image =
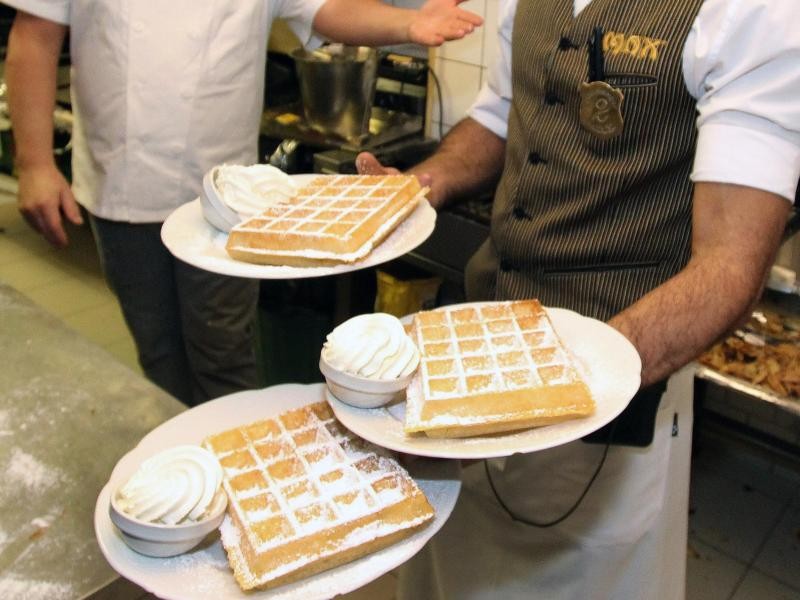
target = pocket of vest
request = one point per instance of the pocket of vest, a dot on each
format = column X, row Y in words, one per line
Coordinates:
column 600, row 267
column 627, row 81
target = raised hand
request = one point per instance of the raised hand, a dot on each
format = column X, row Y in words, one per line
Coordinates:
column 440, row 20
column 45, row 199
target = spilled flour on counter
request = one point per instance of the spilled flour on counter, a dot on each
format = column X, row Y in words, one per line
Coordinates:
column 24, row 469
column 31, row 589
column 5, row 424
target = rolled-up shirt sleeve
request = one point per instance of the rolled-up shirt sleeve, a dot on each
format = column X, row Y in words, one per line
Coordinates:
column 742, row 64
column 299, row 16
column 52, row 10
column 493, row 103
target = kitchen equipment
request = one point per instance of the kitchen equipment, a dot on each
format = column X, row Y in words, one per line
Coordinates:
column 337, row 86
column 396, row 133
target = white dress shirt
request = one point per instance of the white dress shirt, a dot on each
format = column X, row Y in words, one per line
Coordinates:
column 741, row 62
column 163, row 91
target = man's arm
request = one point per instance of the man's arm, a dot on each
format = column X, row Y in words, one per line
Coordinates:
column 375, row 23
column 34, row 45
column 468, row 161
column 736, row 234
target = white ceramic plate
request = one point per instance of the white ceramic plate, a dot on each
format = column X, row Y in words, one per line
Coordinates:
column 607, row 360
column 191, row 238
column 203, row 573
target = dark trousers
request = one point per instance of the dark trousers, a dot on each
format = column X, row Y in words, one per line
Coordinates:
column 194, row 330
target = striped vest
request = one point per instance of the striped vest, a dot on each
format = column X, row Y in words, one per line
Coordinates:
column 581, row 222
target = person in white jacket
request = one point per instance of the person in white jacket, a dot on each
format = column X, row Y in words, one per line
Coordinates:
column 659, row 214
column 161, row 92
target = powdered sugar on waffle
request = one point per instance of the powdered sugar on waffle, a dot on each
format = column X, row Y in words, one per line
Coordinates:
column 332, row 206
column 490, row 348
column 300, row 475
column 348, row 257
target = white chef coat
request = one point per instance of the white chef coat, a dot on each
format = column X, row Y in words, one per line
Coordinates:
column 163, row 91
column 741, row 62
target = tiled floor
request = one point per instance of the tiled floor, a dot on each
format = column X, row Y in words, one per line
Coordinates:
column 67, row 282
column 745, row 501
column 744, row 527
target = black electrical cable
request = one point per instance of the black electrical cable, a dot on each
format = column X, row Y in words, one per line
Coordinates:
column 439, row 98
column 543, row 525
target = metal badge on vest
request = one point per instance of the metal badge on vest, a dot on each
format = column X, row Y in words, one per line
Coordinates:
column 601, row 103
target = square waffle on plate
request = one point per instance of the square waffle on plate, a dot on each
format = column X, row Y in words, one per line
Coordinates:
column 307, row 495
column 333, row 219
column 489, row 368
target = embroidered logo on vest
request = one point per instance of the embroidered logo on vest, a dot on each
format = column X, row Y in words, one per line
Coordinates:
column 637, row 46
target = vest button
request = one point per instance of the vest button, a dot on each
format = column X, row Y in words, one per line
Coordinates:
column 536, row 159
column 565, row 43
column 505, row 265
column 551, row 99
column 520, row 213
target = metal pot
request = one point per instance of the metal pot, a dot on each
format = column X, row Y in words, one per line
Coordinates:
column 337, row 85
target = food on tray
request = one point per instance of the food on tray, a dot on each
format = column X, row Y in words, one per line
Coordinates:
column 250, row 189
column 375, row 346
column 767, row 354
column 232, row 193
column 176, row 486
column 334, row 219
column 306, row 495
column 491, row 367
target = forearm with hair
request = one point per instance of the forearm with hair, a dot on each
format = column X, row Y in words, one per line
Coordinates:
column 469, row 161
column 737, row 231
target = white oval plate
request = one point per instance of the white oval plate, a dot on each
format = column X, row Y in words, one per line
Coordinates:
column 608, row 362
column 189, row 237
column 203, row 573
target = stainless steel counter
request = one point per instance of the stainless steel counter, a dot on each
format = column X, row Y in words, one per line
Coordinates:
column 68, row 412
column 790, row 405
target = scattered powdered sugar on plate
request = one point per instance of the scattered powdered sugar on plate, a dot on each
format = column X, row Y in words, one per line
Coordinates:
column 608, row 361
column 204, row 573
column 191, row 238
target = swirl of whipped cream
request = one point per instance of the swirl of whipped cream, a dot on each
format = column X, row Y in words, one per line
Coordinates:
column 174, row 486
column 374, row 346
column 249, row 190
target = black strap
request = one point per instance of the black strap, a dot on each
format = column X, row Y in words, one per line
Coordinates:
column 635, row 426
column 544, row 524
column 637, row 423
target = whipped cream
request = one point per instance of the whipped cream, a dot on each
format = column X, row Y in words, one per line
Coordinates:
column 249, row 190
column 374, row 346
column 175, row 486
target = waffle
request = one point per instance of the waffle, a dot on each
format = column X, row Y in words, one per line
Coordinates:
column 489, row 368
column 306, row 495
column 334, row 219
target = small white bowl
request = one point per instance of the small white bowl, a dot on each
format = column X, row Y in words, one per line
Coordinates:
column 159, row 540
column 215, row 210
column 362, row 392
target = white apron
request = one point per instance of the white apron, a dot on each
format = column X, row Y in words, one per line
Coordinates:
column 627, row 539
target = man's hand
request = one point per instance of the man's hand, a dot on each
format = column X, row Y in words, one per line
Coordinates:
column 367, row 164
column 45, row 199
column 468, row 162
column 440, row 20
